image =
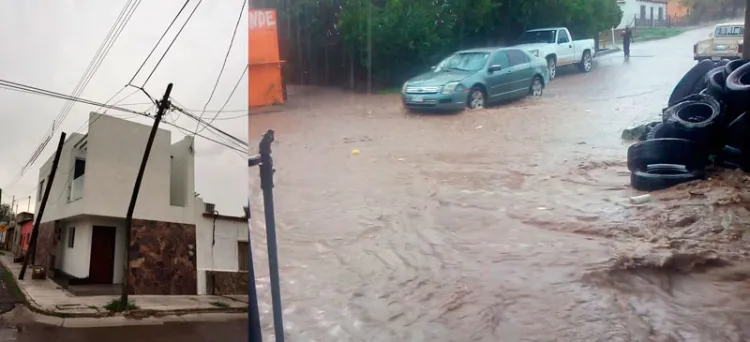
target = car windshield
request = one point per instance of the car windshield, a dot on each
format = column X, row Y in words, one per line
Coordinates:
column 533, row 37
column 465, row 61
column 730, row 31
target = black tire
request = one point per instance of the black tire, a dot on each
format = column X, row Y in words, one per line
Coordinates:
column 536, row 88
column 738, row 89
column 730, row 157
column 697, row 118
column 472, row 96
column 552, row 67
column 666, row 151
column 737, row 133
column 692, row 83
column 716, row 82
column 586, row 63
column 733, row 65
column 659, row 131
column 663, row 177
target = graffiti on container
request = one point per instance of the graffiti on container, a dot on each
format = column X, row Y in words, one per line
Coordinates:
column 261, row 19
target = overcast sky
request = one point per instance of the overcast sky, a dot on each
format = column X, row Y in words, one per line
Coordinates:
column 48, row 44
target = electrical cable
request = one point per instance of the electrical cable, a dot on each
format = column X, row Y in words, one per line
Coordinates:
column 117, row 27
column 231, row 94
column 223, row 64
column 172, row 43
column 159, row 41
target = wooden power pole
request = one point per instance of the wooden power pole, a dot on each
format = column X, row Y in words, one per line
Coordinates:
column 163, row 106
column 38, row 216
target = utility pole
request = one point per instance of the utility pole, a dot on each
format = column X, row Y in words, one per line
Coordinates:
column 745, row 53
column 28, row 205
column 38, row 217
column 163, row 106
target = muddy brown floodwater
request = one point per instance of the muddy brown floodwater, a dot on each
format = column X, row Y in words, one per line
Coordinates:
column 506, row 224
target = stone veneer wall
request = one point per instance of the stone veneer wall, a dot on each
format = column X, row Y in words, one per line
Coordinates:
column 46, row 244
column 160, row 258
column 226, row 283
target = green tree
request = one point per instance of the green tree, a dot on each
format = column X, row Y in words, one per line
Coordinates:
column 6, row 213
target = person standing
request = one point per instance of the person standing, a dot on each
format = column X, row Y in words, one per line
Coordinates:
column 627, row 38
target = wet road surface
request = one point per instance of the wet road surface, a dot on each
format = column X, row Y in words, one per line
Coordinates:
column 506, row 224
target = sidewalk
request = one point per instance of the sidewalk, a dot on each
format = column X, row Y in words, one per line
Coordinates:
column 47, row 298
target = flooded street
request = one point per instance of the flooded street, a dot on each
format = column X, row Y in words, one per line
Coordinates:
column 511, row 223
column 507, row 224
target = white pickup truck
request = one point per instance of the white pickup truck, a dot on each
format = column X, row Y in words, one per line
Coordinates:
column 557, row 46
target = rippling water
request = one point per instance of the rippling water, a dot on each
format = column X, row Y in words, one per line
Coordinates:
column 507, row 224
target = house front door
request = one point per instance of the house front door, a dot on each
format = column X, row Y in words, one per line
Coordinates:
column 101, row 268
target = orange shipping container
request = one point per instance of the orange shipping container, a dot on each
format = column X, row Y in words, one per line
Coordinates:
column 264, row 65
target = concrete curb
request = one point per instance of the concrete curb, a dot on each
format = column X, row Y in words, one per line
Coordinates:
column 136, row 315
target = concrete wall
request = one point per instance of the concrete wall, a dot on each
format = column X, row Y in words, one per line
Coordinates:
column 632, row 9
column 220, row 255
column 75, row 261
column 113, row 151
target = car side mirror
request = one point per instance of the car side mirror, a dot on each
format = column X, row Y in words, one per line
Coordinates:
column 494, row 68
column 433, row 67
column 711, row 35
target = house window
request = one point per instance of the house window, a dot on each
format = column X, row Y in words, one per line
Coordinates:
column 71, row 237
column 79, row 169
column 41, row 191
column 242, row 258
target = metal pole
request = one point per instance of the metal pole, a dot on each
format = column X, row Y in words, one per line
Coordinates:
column 254, row 333
column 266, row 183
column 745, row 53
column 163, row 106
column 38, row 216
column 28, row 205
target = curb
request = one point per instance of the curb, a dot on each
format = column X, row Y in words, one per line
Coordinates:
column 29, row 303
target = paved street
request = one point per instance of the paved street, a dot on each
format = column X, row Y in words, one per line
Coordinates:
column 494, row 225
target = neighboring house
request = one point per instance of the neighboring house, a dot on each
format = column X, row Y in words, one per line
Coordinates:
column 640, row 13
column 82, row 232
column 222, row 247
column 676, row 9
column 26, row 222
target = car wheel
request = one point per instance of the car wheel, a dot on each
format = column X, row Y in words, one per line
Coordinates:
column 586, row 62
column 476, row 98
column 552, row 66
column 666, row 151
column 692, row 82
column 663, row 176
column 537, row 87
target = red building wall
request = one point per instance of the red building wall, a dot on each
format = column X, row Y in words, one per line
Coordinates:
column 26, row 228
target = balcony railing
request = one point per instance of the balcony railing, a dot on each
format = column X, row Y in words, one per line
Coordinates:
column 76, row 188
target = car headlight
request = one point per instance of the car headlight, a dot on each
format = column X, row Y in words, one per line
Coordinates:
column 534, row 52
column 403, row 88
column 452, row 87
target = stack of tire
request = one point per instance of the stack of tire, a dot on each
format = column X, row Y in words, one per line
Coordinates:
column 705, row 124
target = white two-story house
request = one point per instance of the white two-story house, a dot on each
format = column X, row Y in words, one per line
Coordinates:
column 82, row 235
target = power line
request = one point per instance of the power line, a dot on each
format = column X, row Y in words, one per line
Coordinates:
column 159, row 41
column 223, row 65
column 39, row 91
column 117, row 27
column 194, row 110
column 188, row 133
column 216, row 129
column 171, row 43
column 231, row 94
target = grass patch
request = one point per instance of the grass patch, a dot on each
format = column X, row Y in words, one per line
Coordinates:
column 114, row 306
column 653, row 33
column 10, row 281
column 220, row 304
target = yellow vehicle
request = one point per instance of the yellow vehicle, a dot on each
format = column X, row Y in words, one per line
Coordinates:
column 725, row 42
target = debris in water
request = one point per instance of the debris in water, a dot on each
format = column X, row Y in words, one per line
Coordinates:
column 355, row 152
column 641, row 199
